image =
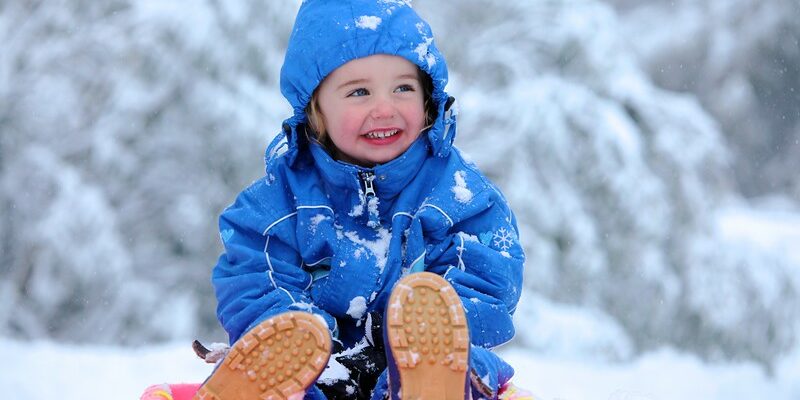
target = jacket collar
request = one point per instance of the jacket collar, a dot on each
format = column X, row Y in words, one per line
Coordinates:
column 390, row 178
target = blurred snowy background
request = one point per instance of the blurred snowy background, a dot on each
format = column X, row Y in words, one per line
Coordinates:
column 651, row 151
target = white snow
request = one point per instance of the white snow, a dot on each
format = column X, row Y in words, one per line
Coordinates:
column 396, row 3
column 316, row 220
column 423, row 54
column 368, row 22
column 460, row 190
column 468, row 238
column 334, row 372
column 378, row 247
column 372, row 208
column 661, row 375
column 46, row 371
column 773, row 229
column 301, row 305
column 358, row 306
column 414, row 357
column 358, row 253
column 358, row 209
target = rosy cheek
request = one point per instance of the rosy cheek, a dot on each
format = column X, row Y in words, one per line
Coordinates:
column 349, row 127
column 351, row 123
column 416, row 117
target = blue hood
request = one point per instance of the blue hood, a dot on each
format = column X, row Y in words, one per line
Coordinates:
column 329, row 33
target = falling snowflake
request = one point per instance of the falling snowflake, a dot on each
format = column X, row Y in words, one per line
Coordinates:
column 503, row 239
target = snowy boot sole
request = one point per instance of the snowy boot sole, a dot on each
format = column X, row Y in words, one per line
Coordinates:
column 428, row 337
column 278, row 359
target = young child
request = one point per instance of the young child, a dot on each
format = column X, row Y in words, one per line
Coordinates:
column 372, row 260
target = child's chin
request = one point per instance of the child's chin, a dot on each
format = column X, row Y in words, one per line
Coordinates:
column 383, row 159
column 373, row 156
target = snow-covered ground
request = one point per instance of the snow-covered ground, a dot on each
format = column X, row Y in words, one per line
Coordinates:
column 45, row 370
column 663, row 375
column 773, row 227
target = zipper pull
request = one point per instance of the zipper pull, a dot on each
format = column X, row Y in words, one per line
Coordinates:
column 370, row 198
column 366, row 179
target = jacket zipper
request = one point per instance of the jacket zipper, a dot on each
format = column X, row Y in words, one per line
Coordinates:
column 366, row 181
column 367, row 178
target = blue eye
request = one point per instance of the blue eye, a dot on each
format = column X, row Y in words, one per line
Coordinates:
column 358, row 92
column 404, row 88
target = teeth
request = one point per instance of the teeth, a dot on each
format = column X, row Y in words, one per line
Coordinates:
column 381, row 135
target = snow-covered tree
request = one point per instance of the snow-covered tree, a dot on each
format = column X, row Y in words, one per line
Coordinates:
column 127, row 127
column 742, row 60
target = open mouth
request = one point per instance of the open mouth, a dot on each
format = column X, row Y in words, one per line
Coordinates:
column 382, row 134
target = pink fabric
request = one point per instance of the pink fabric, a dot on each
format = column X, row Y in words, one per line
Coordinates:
column 184, row 391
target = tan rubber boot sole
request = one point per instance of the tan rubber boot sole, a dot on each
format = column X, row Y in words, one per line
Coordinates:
column 428, row 337
column 277, row 359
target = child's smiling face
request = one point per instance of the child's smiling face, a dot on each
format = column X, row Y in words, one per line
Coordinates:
column 372, row 108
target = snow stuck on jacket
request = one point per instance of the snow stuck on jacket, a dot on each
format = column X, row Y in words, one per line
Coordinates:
column 372, row 208
column 358, row 209
column 468, row 238
column 378, row 247
column 368, row 22
column 358, row 306
column 394, row 4
column 406, row 3
column 316, row 220
column 463, row 195
column 422, row 48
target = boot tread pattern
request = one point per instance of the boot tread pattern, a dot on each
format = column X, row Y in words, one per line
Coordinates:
column 278, row 358
column 429, row 337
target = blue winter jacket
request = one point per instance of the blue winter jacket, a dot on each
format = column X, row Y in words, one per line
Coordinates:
column 329, row 237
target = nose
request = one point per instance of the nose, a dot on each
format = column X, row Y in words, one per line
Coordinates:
column 383, row 108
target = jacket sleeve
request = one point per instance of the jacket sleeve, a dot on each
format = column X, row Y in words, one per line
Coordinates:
column 481, row 256
column 259, row 275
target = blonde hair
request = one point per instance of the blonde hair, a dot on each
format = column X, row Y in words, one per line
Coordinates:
column 316, row 121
